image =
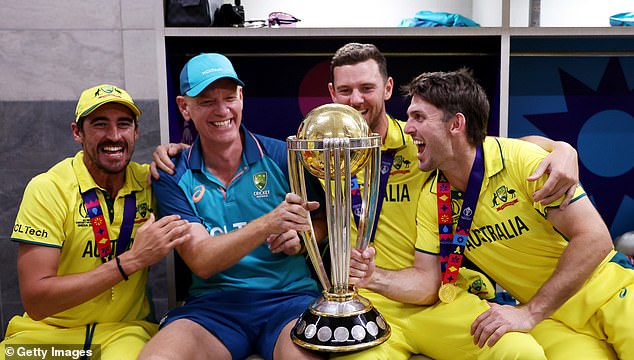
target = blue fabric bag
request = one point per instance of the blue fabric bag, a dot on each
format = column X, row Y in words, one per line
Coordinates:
column 622, row 19
column 426, row 18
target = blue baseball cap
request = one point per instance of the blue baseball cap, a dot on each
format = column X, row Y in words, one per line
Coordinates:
column 202, row 70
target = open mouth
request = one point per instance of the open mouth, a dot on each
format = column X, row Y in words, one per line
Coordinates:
column 420, row 145
column 112, row 150
column 222, row 123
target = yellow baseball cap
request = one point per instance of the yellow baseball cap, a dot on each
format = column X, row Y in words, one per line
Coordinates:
column 94, row 97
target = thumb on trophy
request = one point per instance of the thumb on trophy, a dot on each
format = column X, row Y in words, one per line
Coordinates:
column 362, row 266
column 311, row 205
column 293, row 198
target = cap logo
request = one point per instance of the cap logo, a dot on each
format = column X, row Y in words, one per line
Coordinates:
column 107, row 90
column 211, row 70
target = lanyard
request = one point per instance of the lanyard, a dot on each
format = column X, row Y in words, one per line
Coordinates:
column 452, row 244
column 387, row 158
column 99, row 228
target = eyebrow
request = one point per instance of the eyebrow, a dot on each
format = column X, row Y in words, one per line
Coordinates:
column 129, row 118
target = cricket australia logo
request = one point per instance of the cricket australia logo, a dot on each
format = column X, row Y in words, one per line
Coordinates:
column 259, row 180
column 506, row 196
column 400, row 165
column 142, row 210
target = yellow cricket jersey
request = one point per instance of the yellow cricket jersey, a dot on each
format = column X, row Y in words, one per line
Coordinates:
column 511, row 240
column 52, row 213
column 396, row 229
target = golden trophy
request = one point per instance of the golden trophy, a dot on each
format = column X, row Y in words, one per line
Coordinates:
column 334, row 143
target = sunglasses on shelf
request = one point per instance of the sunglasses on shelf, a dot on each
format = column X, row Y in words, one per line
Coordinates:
column 276, row 19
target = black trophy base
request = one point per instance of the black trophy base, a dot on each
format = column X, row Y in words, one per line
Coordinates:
column 340, row 329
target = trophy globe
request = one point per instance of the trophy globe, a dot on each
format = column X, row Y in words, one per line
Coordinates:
column 334, row 121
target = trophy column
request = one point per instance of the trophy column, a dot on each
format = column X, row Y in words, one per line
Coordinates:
column 334, row 143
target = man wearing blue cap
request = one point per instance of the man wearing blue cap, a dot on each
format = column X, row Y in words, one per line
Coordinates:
column 249, row 282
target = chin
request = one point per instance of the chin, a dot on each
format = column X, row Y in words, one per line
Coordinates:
column 425, row 167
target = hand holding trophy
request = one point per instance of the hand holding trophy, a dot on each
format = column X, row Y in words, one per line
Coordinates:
column 334, row 143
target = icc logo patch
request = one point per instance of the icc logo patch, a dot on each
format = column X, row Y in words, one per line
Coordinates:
column 259, row 180
column 83, row 220
column 82, row 210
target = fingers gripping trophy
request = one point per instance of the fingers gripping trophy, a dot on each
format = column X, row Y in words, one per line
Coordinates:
column 334, row 143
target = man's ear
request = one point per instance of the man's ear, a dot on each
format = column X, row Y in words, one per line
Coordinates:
column 77, row 135
column 331, row 90
column 389, row 88
column 458, row 123
column 182, row 107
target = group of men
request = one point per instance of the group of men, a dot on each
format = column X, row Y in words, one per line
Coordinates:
column 250, row 280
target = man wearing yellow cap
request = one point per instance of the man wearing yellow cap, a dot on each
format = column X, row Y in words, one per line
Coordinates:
column 86, row 237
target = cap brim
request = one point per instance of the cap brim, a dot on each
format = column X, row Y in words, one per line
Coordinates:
column 203, row 85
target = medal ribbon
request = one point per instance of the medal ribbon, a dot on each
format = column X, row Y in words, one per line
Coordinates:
column 452, row 245
column 99, row 228
column 387, row 158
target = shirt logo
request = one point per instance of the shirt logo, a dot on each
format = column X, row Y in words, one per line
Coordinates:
column 506, row 196
column 259, row 180
column 142, row 209
column 199, row 192
column 400, row 165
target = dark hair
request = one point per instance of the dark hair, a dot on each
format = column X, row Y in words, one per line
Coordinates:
column 354, row 53
column 454, row 92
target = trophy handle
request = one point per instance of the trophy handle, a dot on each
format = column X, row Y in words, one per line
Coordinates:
column 372, row 180
column 298, row 186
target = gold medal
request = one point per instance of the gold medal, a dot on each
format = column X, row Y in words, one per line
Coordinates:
column 447, row 293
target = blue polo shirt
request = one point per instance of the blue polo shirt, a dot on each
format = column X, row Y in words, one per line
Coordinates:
column 259, row 186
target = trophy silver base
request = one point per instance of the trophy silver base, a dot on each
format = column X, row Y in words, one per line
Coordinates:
column 340, row 323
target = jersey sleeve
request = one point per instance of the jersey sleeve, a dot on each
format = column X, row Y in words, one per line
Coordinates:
column 40, row 219
column 170, row 197
column 522, row 159
column 427, row 219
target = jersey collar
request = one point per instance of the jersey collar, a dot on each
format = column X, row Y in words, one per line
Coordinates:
column 395, row 138
column 493, row 162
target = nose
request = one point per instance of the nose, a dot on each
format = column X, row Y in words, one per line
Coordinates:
column 356, row 98
column 409, row 128
column 113, row 132
column 221, row 108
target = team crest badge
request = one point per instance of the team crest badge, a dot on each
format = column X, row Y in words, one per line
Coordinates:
column 504, row 195
column 142, row 210
column 259, row 180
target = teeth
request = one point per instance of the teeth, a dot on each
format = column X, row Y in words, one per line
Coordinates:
column 418, row 142
column 222, row 123
column 112, row 148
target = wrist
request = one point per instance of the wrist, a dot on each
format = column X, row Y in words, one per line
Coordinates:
column 536, row 313
column 122, row 272
column 127, row 263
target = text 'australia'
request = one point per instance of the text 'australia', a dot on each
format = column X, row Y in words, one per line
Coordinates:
column 504, row 230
